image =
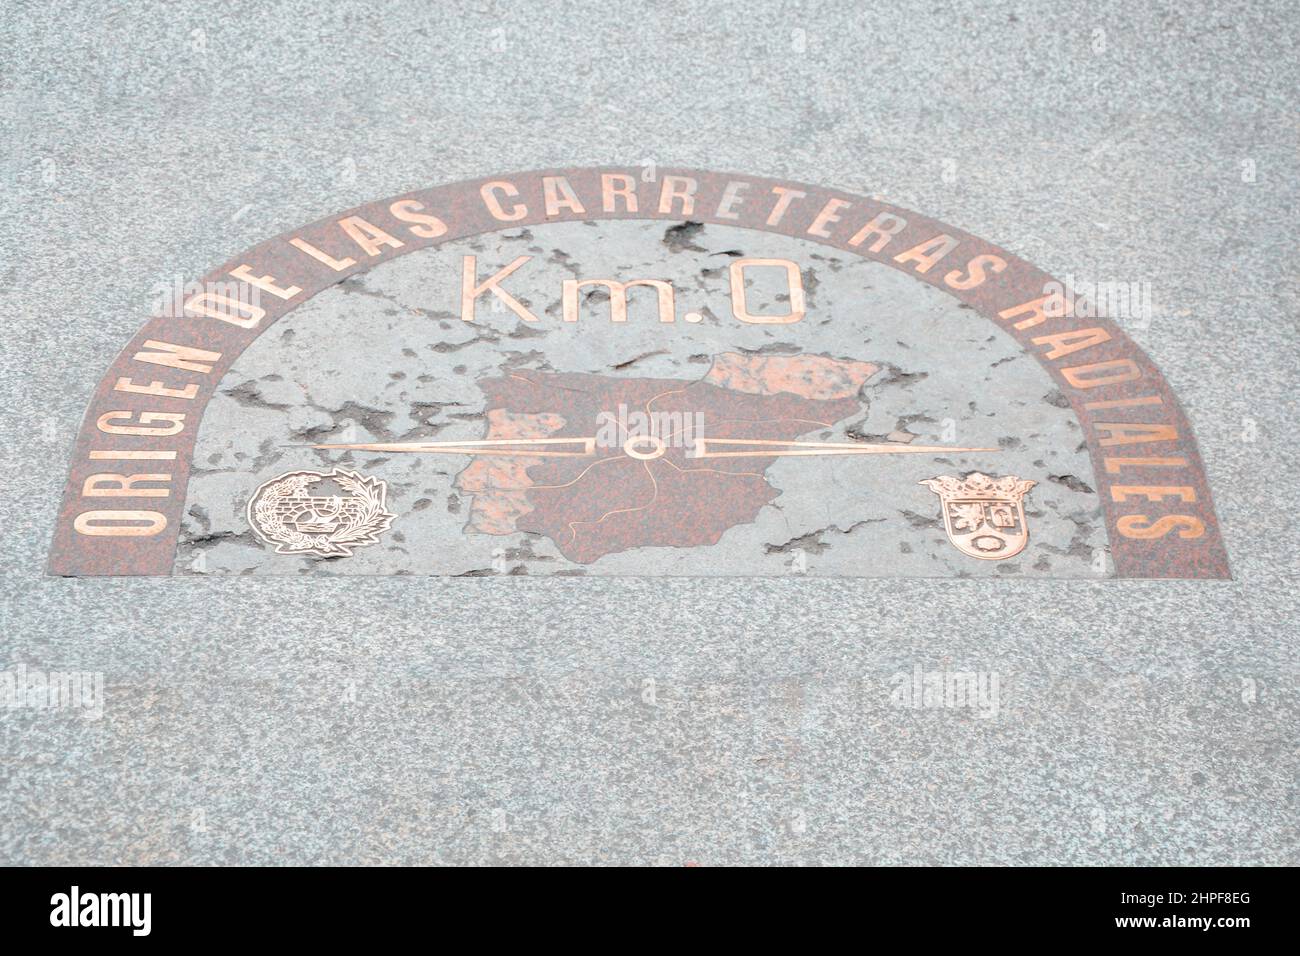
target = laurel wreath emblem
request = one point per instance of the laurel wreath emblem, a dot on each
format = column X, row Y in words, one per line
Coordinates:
column 361, row 523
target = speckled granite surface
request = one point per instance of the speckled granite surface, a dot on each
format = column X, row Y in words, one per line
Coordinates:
column 629, row 720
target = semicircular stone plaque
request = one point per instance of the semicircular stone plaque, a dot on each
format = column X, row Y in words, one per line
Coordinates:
column 605, row 372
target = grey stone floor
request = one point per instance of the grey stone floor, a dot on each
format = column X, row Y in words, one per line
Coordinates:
column 624, row 720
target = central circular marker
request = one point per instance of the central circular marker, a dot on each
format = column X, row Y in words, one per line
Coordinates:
column 657, row 447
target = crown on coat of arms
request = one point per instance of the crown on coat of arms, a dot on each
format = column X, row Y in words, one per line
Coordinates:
column 978, row 485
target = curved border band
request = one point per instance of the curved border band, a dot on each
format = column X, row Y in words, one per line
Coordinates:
column 144, row 417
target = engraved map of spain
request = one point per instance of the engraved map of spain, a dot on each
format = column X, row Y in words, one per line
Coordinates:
column 593, row 507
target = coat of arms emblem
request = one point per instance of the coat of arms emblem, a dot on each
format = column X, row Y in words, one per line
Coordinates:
column 284, row 512
column 984, row 516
